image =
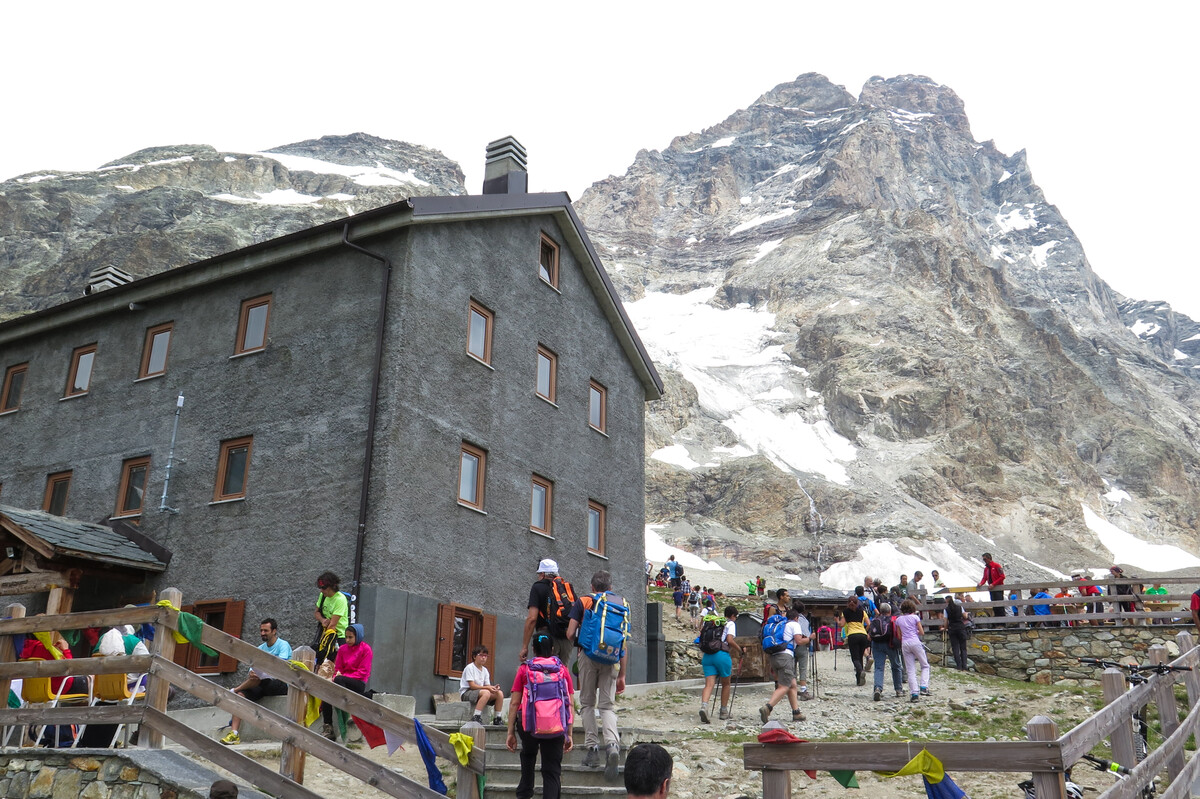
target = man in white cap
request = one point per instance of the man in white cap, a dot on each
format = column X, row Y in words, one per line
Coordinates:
column 550, row 601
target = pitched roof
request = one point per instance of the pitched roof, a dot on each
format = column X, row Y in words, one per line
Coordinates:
column 59, row 537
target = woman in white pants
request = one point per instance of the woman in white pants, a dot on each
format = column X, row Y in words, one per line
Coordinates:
column 911, row 631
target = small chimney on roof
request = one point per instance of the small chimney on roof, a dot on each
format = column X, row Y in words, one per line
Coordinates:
column 504, row 171
column 106, row 277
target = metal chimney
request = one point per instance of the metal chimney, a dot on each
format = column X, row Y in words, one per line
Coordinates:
column 106, row 277
column 504, row 171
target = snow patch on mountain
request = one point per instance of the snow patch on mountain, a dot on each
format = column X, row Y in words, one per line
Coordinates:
column 658, row 550
column 377, row 175
column 1126, row 548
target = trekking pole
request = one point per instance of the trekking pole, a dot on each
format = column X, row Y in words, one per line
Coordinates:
column 736, row 677
column 836, row 630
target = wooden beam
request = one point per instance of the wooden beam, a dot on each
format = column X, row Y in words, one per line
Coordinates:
column 72, row 714
column 1121, row 735
column 1168, row 711
column 157, row 689
column 233, row 761
column 32, row 583
column 8, row 652
column 281, row 728
column 291, row 757
column 67, row 667
column 78, row 621
column 1110, row 719
column 1156, row 760
column 323, row 689
column 467, row 786
column 1021, row 756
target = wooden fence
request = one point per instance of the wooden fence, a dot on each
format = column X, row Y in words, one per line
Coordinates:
column 1046, row 755
column 156, row 726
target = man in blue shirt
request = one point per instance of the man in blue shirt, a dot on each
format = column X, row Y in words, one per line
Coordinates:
column 1042, row 610
column 257, row 685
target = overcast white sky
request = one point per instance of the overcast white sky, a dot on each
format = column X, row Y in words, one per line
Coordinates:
column 1103, row 102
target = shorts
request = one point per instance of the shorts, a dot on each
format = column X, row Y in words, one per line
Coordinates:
column 679, row 602
column 471, row 696
column 784, row 666
column 694, row 610
column 717, row 664
column 267, row 687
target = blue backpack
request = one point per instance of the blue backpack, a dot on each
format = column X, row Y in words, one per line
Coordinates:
column 604, row 630
column 773, row 640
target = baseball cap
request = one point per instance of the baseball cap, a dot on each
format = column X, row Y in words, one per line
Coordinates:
column 547, row 566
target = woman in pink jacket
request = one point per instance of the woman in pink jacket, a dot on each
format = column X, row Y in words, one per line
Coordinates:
column 351, row 669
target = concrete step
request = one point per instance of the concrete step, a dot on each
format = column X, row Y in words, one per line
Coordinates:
column 496, row 733
column 574, row 775
column 500, row 756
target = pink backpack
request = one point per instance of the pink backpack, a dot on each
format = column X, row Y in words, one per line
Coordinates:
column 546, row 703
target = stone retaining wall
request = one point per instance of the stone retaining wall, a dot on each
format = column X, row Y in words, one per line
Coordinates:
column 47, row 774
column 1050, row 655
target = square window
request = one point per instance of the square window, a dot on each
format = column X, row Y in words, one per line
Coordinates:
column 14, row 384
column 459, row 630
column 596, row 513
column 131, row 494
column 547, row 368
column 80, row 376
column 58, row 486
column 548, row 261
column 479, row 333
column 154, row 351
column 233, row 469
column 471, row 474
column 541, row 505
column 597, row 407
column 252, row 324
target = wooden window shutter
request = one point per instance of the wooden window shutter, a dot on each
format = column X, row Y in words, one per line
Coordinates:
column 183, row 651
column 445, row 640
column 235, row 611
column 488, row 638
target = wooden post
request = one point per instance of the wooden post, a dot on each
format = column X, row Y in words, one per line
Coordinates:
column 60, row 600
column 468, row 785
column 1191, row 679
column 1168, row 711
column 776, row 784
column 8, row 652
column 158, row 688
column 291, row 757
column 1113, row 683
column 1048, row 784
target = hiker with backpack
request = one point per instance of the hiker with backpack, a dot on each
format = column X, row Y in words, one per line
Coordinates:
column 332, row 614
column 857, row 641
column 549, row 605
column 716, row 639
column 956, row 631
column 600, row 627
column 780, row 637
column 885, row 645
column 540, row 714
column 911, row 631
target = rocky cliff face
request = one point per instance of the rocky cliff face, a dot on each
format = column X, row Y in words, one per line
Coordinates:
column 168, row 206
column 878, row 327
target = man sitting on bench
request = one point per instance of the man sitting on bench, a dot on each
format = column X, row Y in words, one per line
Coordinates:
column 256, row 685
column 476, row 690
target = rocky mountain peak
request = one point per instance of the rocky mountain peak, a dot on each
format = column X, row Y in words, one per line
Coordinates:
column 809, row 92
column 173, row 152
column 916, row 94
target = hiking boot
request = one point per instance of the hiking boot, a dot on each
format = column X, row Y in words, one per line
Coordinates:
column 592, row 758
column 899, row 693
column 477, row 718
column 612, row 757
column 805, row 696
column 498, row 721
column 231, row 737
column 704, row 714
column 797, row 716
column 861, row 678
column 924, row 690
column 764, row 713
column 327, row 731
column 878, row 694
column 915, row 698
column 724, row 714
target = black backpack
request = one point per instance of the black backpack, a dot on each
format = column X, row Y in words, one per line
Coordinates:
column 558, row 606
column 710, row 636
column 881, row 630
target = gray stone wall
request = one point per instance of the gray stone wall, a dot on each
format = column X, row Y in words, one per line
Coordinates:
column 51, row 775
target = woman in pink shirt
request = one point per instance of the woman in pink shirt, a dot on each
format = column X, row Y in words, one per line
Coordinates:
column 909, row 625
column 352, row 669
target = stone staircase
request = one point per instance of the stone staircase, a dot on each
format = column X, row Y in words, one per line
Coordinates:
column 504, row 767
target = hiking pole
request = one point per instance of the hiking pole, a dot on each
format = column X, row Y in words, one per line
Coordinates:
column 736, row 677
column 836, row 634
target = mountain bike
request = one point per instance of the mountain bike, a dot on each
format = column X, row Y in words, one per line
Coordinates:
column 1136, row 675
column 1075, row 791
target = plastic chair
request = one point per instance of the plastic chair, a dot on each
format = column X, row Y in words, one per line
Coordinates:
column 37, row 691
column 115, row 688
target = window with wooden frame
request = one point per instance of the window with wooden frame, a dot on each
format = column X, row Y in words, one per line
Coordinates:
column 597, row 406
column 131, row 494
column 80, row 376
column 547, row 373
column 479, row 333
column 595, row 527
column 252, row 324
column 154, row 351
column 548, row 261
column 225, row 615
column 472, row 471
column 233, row 469
column 459, row 630
column 541, row 505
column 58, row 487
column 14, row 385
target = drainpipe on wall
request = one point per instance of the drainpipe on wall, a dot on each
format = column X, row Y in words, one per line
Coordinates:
column 373, row 410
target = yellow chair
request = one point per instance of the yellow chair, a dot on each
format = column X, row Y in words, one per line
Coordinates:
column 37, row 691
column 115, row 688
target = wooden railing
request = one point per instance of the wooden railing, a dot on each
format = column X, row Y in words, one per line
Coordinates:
column 157, row 726
column 1046, row 755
